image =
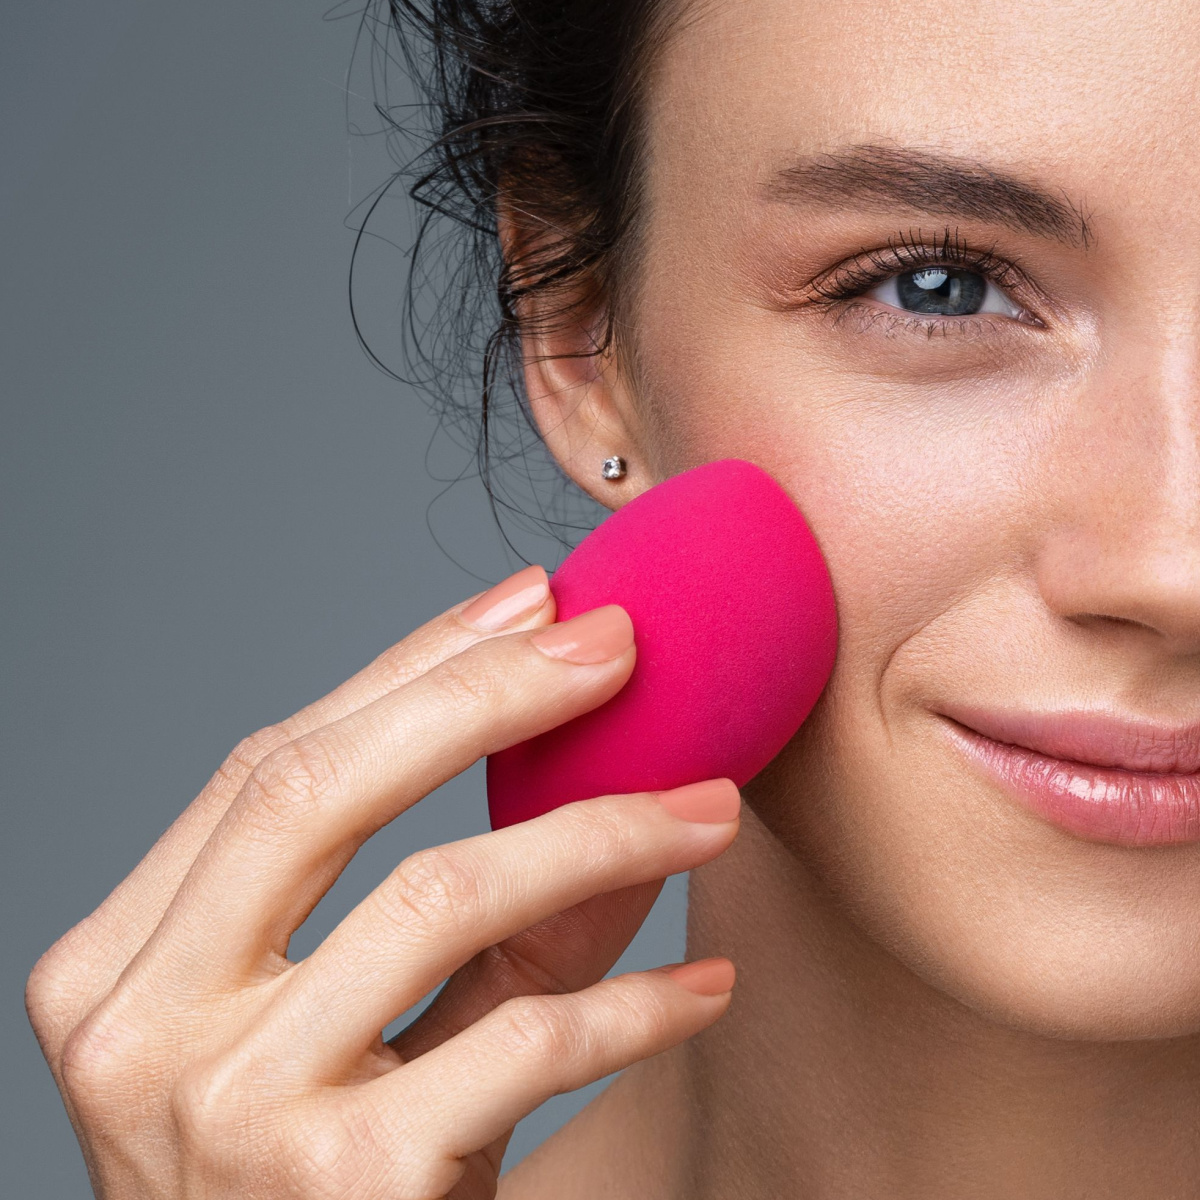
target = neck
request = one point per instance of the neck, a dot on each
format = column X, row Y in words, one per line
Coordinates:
column 837, row 1072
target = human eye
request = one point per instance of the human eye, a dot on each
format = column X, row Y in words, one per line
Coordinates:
column 932, row 281
column 944, row 291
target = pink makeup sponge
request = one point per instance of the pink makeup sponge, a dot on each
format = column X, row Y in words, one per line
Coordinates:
column 733, row 612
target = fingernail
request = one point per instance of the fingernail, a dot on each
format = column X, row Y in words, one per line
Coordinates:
column 706, row 976
column 591, row 637
column 520, row 595
column 708, row 802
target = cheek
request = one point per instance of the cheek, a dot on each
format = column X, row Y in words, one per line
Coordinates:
column 918, row 498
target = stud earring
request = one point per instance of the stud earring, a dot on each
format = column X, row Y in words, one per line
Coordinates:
column 613, row 468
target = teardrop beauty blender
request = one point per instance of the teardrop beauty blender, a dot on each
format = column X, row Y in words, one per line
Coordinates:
column 736, row 631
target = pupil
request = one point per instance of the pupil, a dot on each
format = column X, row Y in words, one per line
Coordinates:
column 943, row 291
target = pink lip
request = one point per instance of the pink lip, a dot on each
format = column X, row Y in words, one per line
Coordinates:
column 1101, row 778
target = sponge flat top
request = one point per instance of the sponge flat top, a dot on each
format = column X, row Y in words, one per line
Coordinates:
column 736, row 632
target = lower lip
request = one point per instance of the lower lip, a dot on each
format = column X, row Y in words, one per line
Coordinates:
column 1101, row 804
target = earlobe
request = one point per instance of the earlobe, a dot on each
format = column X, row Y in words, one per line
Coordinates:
column 581, row 418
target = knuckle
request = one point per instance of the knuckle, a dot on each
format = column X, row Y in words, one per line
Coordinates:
column 293, row 780
column 469, row 681
column 643, row 1011
column 603, row 832
column 539, row 1030
column 60, row 983
column 99, row 1060
column 363, row 1147
column 397, row 665
column 207, row 1108
column 334, row 1157
column 47, row 988
column 245, row 1134
column 433, row 890
column 248, row 753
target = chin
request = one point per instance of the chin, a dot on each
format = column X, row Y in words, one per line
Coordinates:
column 1014, row 919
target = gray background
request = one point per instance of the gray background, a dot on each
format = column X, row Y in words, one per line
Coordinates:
column 214, row 508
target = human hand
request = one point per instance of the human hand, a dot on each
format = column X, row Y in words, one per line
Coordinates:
column 195, row 1059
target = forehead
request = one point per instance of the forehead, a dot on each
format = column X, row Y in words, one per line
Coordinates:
column 1087, row 94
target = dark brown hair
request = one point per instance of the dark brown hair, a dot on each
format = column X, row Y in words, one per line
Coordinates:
column 536, row 104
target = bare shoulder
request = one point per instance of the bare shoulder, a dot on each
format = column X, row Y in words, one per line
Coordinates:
column 620, row 1147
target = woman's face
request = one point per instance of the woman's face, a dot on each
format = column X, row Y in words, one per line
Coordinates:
column 1000, row 460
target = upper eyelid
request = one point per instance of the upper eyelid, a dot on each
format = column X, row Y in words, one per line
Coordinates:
column 850, row 272
column 912, row 249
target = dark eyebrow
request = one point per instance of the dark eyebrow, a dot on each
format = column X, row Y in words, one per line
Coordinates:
column 933, row 183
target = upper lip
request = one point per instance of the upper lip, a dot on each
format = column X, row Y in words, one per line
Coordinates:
column 1097, row 738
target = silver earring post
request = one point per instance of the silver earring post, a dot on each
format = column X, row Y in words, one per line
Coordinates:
column 613, row 468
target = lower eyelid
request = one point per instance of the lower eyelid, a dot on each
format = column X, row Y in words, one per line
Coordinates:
column 891, row 320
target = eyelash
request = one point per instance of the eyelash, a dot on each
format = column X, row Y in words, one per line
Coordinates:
column 840, row 285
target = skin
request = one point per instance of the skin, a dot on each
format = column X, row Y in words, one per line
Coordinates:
column 196, row 1059
column 939, row 994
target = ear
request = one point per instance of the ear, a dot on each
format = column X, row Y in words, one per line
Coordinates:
column 584, row 412
column 580, row 395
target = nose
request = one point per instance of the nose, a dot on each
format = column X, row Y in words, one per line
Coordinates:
column 1123, row 549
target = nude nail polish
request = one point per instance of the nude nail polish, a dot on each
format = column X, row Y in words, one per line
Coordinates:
column 709, row 802
column 592, row 637
column 705, row 977
column 511, row 600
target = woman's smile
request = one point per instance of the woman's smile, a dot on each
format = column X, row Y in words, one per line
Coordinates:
column 1095, row 775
